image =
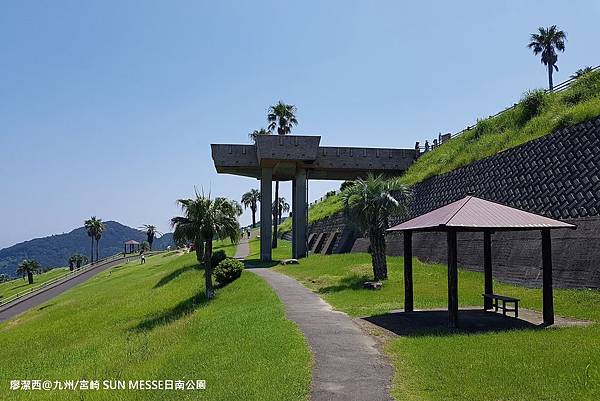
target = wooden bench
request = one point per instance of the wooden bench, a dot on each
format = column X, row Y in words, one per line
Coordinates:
column 495, row 303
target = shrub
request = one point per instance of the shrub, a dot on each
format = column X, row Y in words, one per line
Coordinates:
column 217, row 257
column 228, row 270
column 584, row 88
column 532, row 104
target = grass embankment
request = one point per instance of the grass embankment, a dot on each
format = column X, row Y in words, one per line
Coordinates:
column 152, row 321
column 552, row 364
column 13, row 287
column 536, row 115
column 319, row 211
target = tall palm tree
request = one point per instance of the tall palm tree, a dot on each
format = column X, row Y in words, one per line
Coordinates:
column 98, row 231
column 151, row 233
column 91, row 225
column 369, row 203
column 258, row 132
column 581, row 72
column 28, row 267
column 279, row 208
column 203, row 221
column 548, row 41
column 282, row 117
column 250, row 200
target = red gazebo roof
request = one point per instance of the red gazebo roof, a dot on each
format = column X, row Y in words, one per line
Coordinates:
column 472, row 213
column 131, row 242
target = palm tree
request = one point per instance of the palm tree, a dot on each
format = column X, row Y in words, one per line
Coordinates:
column 250, row 200
column 280, row 208
column 369, row 203
column 283, row 117
column 547, row 41
column 258, row 132
column 581, row 72
column 151, row 233
column 91, row 225
column 80, row 260
column 98, row 231
column 28, row 267
column 203, row 221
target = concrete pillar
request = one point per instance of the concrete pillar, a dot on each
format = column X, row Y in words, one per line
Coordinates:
column 299, row 209
column 266, row 214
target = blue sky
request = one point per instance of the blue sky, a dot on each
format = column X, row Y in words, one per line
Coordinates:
column 108, row 108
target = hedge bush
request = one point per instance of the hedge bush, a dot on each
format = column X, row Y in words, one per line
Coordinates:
column 217, row 257
column 228, row 270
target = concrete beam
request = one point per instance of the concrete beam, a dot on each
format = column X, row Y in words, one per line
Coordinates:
column 299, row 217
column 266, row 215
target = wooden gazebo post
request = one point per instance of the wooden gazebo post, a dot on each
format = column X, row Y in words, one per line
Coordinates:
column 548, row 303
column 408, row 274
column 488, row 285
column 452, row 280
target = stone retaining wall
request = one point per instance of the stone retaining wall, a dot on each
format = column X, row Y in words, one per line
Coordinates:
column 557, row 175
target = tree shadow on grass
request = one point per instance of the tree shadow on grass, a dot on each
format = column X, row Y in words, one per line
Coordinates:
column 257, row 264
column 174, row 274
column 179, row 311
column 346, row 283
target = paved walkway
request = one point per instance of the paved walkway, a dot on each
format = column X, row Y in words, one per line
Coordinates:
column 347, row 364
column 243, row 249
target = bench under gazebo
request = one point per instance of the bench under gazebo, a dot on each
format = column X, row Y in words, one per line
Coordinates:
column 472, row 214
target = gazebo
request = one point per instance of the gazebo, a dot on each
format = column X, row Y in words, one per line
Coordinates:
column 472, row 214
column 133, row 245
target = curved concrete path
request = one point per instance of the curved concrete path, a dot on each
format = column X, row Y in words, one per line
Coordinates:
column 348, row 366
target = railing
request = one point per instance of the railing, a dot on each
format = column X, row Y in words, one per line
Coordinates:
column 443, row 138
column 67, row 276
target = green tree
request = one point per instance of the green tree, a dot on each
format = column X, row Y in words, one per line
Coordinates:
column 77, row 260
column 91, row 226
column 369, row 203
column 280, row 208
column 145, row 246
column 250, row 200
column 151, row 233
column 98, row 232
column 282, row 117
column 203, row 221
column 258, row 132
column 581, row 72
column 547, row 41
column 28, row 267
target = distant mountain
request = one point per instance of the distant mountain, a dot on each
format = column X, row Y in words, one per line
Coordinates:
column 55, row 250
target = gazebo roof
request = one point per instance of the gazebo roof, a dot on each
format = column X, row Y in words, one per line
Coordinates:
column 476, row 214
column 131, row 242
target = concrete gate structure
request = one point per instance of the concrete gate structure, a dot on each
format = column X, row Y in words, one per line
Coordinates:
column 298, row 158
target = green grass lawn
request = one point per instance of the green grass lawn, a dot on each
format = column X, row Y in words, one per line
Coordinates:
column 552, row 364
column 13, row 287
column 151, row 321
column 283, row 251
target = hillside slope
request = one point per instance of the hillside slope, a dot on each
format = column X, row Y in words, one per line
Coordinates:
column 55, row 250
column 152, row 322
column 537, row 114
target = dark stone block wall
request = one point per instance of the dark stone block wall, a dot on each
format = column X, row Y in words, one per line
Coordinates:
column 557, row 175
